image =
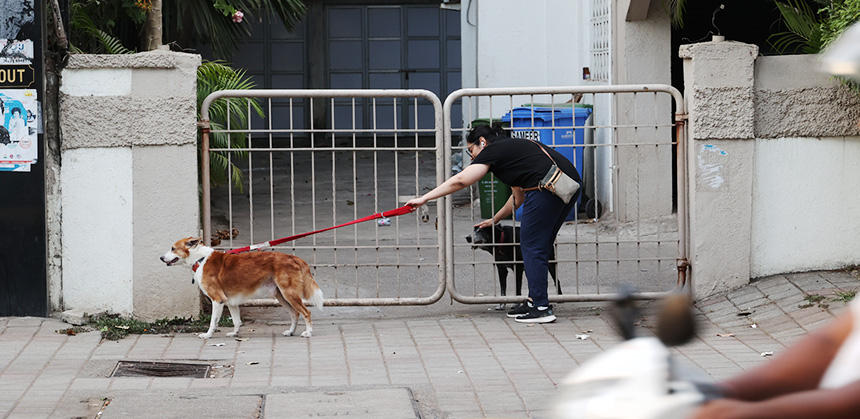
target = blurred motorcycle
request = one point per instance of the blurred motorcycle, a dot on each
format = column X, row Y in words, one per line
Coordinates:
column 640, row 377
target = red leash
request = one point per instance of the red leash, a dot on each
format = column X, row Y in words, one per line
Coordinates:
column 406, row 209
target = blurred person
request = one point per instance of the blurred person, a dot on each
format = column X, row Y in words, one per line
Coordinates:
column 817, row 377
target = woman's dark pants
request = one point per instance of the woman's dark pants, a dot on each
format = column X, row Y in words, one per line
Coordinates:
column 543, row 215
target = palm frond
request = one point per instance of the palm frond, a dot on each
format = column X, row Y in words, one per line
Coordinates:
column 224, row 35
column 213, row 76
column 221, row 166
column 804, row 30
column 108, row 43
column 111, row 44
column 676, row 9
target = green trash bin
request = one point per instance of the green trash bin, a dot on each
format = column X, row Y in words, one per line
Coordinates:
column 492, row 192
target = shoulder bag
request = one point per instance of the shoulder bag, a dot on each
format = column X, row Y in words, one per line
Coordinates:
column 556, row 181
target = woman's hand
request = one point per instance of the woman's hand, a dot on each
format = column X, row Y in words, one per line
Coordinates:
column 485, row 223
column 417, row 202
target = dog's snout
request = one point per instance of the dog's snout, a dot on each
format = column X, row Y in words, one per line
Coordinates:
column 468, row 239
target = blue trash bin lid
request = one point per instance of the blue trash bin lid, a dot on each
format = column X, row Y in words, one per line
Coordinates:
column 546, row 114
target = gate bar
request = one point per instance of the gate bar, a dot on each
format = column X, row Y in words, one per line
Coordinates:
column 333, row 93
column 684, row 277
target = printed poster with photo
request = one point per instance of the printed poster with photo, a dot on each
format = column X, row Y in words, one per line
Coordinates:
column 14, row 52
column 18, row 133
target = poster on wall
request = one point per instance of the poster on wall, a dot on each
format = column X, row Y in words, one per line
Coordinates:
column 18, row 133
column 14, row 52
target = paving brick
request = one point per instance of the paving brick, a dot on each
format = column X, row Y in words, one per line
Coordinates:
column 170, row 383
column 453, row 401
column 24, row 322
column 197, row 383
column 90, row 384
column 474, row 365
column 115, row 349
column 130, row 383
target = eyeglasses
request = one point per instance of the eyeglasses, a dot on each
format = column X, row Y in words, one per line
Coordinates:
column 469, row 149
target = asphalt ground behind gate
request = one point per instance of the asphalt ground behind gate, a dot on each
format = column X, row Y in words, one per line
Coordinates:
column 280, row 198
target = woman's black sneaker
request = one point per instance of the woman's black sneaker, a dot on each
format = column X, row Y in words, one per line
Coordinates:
column 536, row 315
column 520, row 309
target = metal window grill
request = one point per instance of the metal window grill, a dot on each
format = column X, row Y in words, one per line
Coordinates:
column 601, row 33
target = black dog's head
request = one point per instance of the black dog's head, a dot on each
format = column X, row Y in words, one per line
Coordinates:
column 485, row 235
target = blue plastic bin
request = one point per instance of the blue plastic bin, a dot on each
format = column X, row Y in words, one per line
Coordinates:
column 553, row 127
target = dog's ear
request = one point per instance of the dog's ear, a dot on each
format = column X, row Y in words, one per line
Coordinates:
column 193, row 242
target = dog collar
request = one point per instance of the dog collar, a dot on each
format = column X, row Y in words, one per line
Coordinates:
column 195, row 266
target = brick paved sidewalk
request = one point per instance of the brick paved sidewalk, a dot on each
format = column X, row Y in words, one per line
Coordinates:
column 473, row 363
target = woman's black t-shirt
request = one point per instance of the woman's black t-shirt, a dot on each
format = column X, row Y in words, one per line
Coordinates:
column 519, row 162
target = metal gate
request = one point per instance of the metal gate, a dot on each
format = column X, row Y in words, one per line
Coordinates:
column 626, row 230
column 286, row 176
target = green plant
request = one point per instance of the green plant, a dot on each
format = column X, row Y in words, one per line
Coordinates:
column 813, row 299
column 676, row 9
column 86, row 35
column 115, row 326
column 185, row 23
column 213, row 76
column 804, row 29
column 74, row 330
column 840, row 15
column 844, row 296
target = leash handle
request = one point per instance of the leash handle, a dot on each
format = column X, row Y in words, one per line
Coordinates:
column 406, row 209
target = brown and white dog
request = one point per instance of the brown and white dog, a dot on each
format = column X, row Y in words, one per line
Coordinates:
column 231, row 279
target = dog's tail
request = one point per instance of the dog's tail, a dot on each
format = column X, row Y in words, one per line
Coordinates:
column 316, row 299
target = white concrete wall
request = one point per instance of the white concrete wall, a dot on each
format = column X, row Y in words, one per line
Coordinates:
column 806, row 176
column 773, row 169
column 520, row 43
column 805, row 204
column 97, row 229
column 640, row 55
column 129, row 182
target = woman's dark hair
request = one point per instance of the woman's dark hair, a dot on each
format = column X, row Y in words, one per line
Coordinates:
column 490, row 133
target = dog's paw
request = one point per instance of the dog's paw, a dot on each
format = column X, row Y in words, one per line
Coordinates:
column 232, row 334
column 306, row 334
column 287, row 333
column 204, row 335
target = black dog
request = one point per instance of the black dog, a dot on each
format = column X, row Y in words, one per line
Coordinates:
column 507, row 254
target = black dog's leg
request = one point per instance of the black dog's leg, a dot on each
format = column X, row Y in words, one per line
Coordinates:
column 503, row 283
column 503, row 278
column 519, row 268
column 552, row 271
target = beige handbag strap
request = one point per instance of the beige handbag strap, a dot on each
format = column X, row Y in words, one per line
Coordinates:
column 534, row 188
column 544, row 151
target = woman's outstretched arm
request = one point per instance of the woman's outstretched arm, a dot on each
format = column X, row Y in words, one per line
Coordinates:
column 471, row 174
